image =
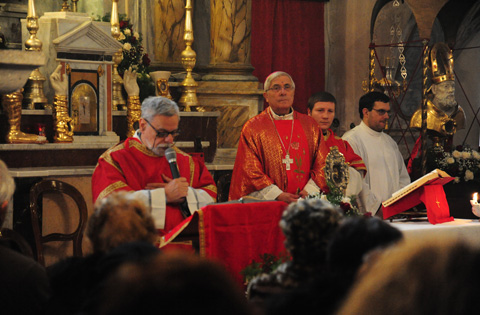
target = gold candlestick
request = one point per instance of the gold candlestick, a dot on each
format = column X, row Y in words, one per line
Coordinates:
column 33, row 43
column 74, row 5
column 117, row 82
column 65, row 7
column 189, row 58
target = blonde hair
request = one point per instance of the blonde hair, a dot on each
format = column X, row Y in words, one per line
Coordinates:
column 120, row 218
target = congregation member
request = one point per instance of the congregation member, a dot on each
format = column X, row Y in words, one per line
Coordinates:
column 321, row 106
column 281, row 153
column 24, row 285
column 386, row 171
column 139, row 165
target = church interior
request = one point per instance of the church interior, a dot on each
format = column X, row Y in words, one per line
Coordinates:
column 212, row 57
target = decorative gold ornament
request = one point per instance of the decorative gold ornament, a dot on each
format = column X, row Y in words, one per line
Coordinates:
column 12, row 106
column 134, row 111
column 161, row 83
column 189, row 58
column 34, row 90
column 441, row 57
column 118, row 101
column 100, row 71
column 65, row 7
column 336, row 169
column 68, row 69
column 33, row 43
column 74, row 5
column 62, row 123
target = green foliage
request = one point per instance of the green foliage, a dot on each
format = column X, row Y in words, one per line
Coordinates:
column 267, row 264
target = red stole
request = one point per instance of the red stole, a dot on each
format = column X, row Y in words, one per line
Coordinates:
column 299, row 160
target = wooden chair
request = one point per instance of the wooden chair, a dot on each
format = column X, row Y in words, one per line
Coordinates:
column 36, row 194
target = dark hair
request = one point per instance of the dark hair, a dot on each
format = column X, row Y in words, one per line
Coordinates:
column 320, row 97
column 368, row 100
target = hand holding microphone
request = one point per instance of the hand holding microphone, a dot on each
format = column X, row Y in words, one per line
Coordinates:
column 176, row 188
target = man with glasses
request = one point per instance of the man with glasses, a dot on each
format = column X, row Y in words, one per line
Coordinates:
column 139, row 165
column 281, row 153
column 386, row 171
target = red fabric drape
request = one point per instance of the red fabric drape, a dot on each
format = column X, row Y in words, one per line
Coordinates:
column 288, row 35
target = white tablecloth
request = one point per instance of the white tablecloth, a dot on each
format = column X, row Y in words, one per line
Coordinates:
column 461, row 228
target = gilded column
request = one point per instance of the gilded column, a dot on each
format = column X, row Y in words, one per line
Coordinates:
column 230, row 37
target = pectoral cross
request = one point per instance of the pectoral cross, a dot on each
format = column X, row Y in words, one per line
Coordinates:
column 287, row 161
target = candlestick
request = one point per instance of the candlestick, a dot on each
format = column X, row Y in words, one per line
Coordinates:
column 475, row 205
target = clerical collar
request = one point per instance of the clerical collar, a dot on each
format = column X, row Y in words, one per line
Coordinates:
column 137, row 135
column 288, row 116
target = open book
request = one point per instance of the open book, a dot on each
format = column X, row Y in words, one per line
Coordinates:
column 436, row 176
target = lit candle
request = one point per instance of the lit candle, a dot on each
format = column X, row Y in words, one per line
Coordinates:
column 475, row 198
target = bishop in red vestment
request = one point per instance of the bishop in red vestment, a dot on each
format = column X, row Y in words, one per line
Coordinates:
column 139, row 165
column 281, row 153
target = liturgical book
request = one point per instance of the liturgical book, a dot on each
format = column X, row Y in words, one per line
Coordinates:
column 436, row 176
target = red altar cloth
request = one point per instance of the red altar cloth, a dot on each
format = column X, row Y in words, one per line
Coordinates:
column 234, row 233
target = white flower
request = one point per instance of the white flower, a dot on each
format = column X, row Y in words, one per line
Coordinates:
column 476, row 155
column 466, row 154
column 127, row 32
column 346, row 199
column 136, row 35
column 127, row 46
column 457, row 180
column 121, row 37
column 468, row 175
column 457, row 154
column 450, row 160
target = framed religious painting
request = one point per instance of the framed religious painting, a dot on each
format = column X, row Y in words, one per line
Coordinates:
column 84, row 99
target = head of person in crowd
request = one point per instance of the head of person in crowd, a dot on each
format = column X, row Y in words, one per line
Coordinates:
column 308, row 226
column 7, row 189
column 321, row 106
column 173, row 283
column 374, row 109
column 279, row 92
column 356, row 238
column 120, row 218
column 159, row 123
column 428, row 276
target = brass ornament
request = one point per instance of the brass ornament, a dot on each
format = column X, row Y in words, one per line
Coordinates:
column 34, row 90
column 65, row 7
column 12, row 106
column 134, row 111
column 441, row 58
column 336, row 169
column 62, row 123
column 118, row 101
column 32, row 43
column 189, row 58
column 100, row 71
column 74, row 6
column 68, row 69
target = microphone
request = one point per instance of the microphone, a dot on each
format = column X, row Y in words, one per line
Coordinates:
column 171, row 156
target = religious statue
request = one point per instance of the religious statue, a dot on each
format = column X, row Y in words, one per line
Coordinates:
column 444, row 116
column 62, row 123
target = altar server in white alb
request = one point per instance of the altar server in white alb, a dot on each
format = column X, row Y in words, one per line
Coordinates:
column 386, row 171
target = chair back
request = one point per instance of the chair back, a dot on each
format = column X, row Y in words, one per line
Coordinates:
column 36, row 196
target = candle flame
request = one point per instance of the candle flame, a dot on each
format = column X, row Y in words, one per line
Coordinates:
column 475, row 197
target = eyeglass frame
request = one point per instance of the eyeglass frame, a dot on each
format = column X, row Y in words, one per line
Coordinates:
column 277, row 88
column 164, row 134
column 382, row 112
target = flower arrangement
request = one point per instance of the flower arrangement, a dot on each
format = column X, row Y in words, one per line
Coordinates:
column 134, row 55
column 335, row 196
column 267, row 264
column 463, row 163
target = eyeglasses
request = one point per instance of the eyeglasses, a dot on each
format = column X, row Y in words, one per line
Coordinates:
column 277, row 88
column 382, row 112
column 164, row 133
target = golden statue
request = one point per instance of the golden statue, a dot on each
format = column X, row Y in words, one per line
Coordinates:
column 134, row 107
column 444, row 116
column 12, row 105
column 62, row 123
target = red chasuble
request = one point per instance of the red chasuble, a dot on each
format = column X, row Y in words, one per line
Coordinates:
column 130, row 166
column 260, row 153
column 344, row 147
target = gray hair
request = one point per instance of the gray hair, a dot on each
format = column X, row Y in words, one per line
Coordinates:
column 159, row 105
column 275, row 75
column 7, row 184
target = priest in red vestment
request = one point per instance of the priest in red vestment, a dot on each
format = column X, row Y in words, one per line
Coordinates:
column 281, row 153
column 139, row 165
column 321, row 106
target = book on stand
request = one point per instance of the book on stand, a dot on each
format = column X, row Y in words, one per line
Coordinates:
column 436, row 176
